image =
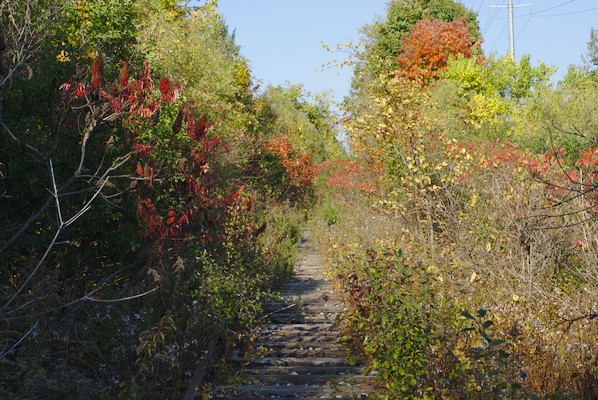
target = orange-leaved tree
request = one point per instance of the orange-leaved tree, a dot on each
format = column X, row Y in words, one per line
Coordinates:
column 429, row 46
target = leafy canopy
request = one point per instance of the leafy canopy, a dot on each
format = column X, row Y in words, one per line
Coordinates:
column 384, row 38
column 430, row 45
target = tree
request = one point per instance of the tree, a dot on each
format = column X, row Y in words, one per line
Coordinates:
column 307, row 120
column 384, row 38
column 489, row 99
column 592, row 56
column 429, row 46
column 382, row 44
column 215, row 75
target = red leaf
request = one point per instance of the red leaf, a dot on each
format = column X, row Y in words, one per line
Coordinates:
column 190, row 125
column 178, row 122
column 164, row 85
column 201, row 128
column 81, row 89
column 171, row 217
column 184, row 218
column 430, row 44
column 124, row 76
column 96, row 73
column 146, row 79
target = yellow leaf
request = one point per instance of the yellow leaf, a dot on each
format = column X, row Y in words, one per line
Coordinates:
column 515, row 298
column 474, row 200
column 63, row 56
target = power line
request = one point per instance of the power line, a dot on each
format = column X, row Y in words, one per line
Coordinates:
column 529, row 18
column 491, row 18
column 552, row 8
column 510, row 8
column 498, row 39
column 536, row 14
column 480, row 7
column 570, row 13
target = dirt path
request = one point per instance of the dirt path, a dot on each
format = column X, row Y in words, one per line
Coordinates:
column 297, row 353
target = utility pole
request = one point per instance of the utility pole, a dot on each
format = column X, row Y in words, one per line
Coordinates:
column 510, row 8
column 511, row 31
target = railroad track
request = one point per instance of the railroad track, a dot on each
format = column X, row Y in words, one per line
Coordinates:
column 298, row 353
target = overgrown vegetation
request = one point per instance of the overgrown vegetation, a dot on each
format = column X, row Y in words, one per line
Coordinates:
column 148, row 202
column 150, row 199
column 470, row 268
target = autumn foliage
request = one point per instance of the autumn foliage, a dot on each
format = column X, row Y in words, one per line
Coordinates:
column 299, row 171
column 429, row 46
column 471, row 270
column 147, row 205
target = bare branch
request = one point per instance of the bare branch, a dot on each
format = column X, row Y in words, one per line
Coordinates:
column 577, row 132
column 41, row 155
column 121, row 299
column 4, row 353
column 85, row 208
column 21, row 231
column 570, row 321
column 34, row 272
column 55, row 195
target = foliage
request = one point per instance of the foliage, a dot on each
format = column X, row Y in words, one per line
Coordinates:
column 384, row 39
column 475, row 233
column 508, row 78
column 391, row 305
column 307, row 122
column 92, row 27
column 394, row 117
column 135, row 232
column 491, row 99
column 461, row 218
column 348, row 174
column 209, row 66
column 287, row 174
column 430, row 44
column 592, row 56
column 560, row 117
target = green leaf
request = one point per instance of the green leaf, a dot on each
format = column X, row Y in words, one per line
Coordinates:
column 487, row 324
column 503, row 354
column 482, row 313
column 467, row 315
column 496, row 342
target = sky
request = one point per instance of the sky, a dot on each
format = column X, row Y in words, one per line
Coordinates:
column 282, row 39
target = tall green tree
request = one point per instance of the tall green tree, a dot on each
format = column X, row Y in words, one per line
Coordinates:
column 592, row 55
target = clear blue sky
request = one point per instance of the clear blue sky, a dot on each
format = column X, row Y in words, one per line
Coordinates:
column 283, row 38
